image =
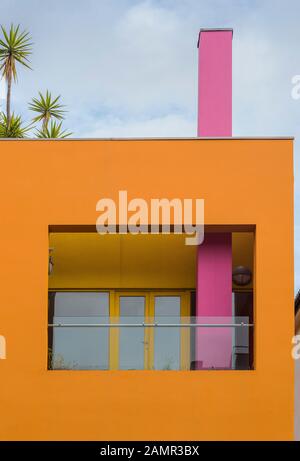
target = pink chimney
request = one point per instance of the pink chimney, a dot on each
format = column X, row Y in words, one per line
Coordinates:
column 215, row 83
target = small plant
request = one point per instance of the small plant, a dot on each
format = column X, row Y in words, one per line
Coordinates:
column 47, row 109
column 13, row 129
column 57, row 362
column 168, row 364
column 55, row 131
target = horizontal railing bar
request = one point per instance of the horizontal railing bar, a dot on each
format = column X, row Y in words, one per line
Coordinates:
column 151, row 325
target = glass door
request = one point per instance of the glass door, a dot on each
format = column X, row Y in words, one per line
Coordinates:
column 165, row 346
column 167, row 339
column 132, row 339
column 128, row 343
column 170, row 344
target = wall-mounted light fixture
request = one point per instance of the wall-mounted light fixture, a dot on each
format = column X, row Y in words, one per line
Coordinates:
column 241, row 276
column 50, row 261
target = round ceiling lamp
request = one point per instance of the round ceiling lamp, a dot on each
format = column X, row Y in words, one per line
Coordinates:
column 241, row 276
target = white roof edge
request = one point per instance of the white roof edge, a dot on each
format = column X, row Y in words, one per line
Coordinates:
column 232, row 138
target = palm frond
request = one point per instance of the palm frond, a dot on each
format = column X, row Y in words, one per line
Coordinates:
column 15, row 47
column 55, row 131
column 15, row 128
column 47, row 108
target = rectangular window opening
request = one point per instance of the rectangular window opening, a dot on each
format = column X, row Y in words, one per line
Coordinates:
column 120, row 303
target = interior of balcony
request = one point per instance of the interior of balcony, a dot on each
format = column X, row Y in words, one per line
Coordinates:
column 150, row 302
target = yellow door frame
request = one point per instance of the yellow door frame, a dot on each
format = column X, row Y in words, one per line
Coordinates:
column 185, row 303
column 114, row 331
column 149, row 316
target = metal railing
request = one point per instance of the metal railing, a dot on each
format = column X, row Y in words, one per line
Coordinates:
column 151, row 325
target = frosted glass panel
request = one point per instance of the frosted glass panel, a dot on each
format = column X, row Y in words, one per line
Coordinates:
column 167, row 339
column 82, row 348
column 131, row 352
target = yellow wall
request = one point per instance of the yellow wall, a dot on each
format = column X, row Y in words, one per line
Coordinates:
column 59, row 183
column 88, row 260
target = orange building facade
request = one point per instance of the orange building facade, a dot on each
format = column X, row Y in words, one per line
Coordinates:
column 49, row 192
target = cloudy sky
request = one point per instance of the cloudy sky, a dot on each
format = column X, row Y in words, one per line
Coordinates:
column 129, row 67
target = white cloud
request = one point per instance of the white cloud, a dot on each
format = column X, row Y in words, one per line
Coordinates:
column 166, row 126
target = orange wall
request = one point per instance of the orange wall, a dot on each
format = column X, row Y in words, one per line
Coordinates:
column 59, row 182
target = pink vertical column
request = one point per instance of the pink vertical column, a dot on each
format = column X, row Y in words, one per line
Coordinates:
column 215, row 83
column 214, row 257
column 214, row 301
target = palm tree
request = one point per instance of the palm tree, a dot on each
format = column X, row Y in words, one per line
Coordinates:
column 14, row 128
column 47, row 108
column 54, row 132
column 14, row 48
